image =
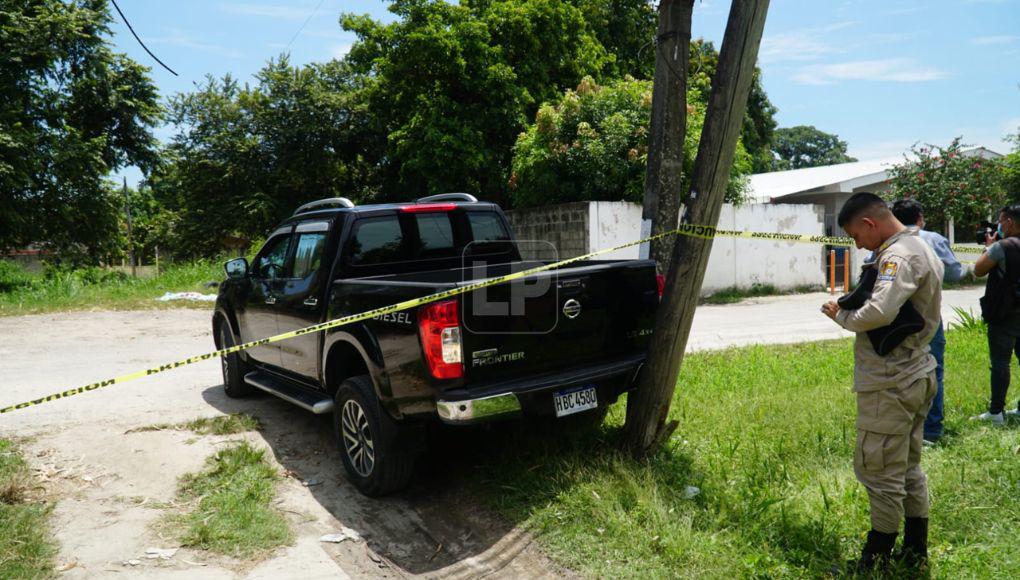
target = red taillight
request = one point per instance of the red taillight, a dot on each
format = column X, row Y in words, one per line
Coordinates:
column 660, row 281
column 423, row 207
column 439, row 328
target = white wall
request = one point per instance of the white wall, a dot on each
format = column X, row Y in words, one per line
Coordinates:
column 742, row 262
column 734, row 261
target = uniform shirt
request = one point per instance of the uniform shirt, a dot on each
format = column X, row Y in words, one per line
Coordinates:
column 907, row 270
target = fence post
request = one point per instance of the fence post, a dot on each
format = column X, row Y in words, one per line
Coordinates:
column 832, row 271
column 846, row 270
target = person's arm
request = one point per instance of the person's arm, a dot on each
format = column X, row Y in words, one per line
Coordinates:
column 994, row 254
column 953, row 268
column 897, row 282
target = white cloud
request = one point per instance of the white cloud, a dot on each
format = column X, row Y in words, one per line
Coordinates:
column 1000, row 39
column 900, row 70
column 905, row 10
column 275, row 11
column 178, row 38
column 340, row 50
column 800, row 45
column 880, row 150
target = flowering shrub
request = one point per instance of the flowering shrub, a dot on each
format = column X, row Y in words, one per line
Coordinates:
column 592, row 145
column 950, row 184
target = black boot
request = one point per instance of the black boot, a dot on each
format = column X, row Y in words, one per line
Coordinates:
column 876, row 552
column 915, row 543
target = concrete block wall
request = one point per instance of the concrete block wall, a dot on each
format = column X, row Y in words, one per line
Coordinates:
column 564, row 227
column 578, row 228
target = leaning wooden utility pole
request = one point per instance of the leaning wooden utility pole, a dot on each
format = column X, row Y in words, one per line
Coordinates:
column 648, row 407
column 661, row 207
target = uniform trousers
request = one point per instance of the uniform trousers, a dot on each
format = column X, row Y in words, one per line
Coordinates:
column 887, row 458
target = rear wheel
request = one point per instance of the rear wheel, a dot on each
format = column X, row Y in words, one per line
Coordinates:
column 374, row 449
column 233, row 367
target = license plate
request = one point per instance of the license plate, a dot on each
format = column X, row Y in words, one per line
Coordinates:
column 575, row 401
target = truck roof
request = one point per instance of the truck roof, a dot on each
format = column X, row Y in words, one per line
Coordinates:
column 330, row 207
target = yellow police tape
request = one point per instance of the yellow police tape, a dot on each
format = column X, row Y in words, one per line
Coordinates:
column 696, row 231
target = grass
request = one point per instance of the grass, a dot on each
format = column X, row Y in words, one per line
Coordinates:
column 232, row 512
column 22, row 292
column 26, row 549
column 219, row 425
column 736, row 293
column 766, row 434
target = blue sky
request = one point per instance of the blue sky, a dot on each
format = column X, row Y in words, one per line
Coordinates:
column 882, row 74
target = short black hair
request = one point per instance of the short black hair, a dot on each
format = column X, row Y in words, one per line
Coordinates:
column 1012, row 211
column 859, row 204
column 907, row 210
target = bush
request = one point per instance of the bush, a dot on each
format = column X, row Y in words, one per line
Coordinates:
column 13, row 277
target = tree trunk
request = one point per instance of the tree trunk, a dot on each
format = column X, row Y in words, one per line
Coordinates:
column 648, row 407
column 668, row 125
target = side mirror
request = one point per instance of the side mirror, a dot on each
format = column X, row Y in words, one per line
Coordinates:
column 236, row 268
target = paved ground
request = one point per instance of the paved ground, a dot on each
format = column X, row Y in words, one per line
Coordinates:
column 112, row 484
column 786, row 319
column 109, row 480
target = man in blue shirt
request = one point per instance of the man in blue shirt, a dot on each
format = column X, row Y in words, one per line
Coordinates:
column 909, row 212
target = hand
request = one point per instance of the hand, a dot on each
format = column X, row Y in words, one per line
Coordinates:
column 830, row 309
column 990, row 239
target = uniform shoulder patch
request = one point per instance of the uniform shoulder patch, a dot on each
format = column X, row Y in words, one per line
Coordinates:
column 887, row 271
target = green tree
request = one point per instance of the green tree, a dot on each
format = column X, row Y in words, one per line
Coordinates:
column 451, row 86
column 949, row 184
column 805, row 146
column 591, row 145
column 71, row 111
column 756, row 132
column 1011, row 170
column 245, row 157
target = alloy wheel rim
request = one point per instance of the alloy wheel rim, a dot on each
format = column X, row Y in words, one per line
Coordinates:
column 224, row 362
column 357, row 436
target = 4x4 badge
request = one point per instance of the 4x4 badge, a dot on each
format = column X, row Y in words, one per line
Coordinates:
column 571, row 308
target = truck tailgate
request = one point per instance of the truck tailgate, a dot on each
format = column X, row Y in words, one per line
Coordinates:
column 589, row 311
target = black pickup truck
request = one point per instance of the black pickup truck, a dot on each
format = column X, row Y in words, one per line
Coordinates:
column 556, row 343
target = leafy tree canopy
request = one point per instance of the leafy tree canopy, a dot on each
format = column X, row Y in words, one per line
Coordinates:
column 756, row 132
column 71, row 111
column 805, row 146
column 950, row 183
column 245, row 157
column 451, row 86
column 591, row 145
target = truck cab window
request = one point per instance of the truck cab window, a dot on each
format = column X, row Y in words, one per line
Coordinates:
column 378, row 241
column 272, row 257
column 435, row 235
column 308, row 254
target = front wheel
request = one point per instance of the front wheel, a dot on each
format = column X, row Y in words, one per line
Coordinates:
column 233, row 367
column 375, row 454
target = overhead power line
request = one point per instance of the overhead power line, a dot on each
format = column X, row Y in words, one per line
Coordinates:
column 307, row 20
column 124, row 18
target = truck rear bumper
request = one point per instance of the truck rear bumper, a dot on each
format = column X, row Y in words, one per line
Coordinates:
column 535, row 395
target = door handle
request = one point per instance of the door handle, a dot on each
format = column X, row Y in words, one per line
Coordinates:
column 270, row 299
column 311, row 302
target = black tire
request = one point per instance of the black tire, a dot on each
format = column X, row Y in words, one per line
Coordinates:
column 233, row 367
column 376, row 453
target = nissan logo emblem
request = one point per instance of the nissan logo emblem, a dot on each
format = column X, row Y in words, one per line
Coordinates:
column 571, row 308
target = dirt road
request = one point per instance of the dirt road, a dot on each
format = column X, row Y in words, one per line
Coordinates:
column 112, row 484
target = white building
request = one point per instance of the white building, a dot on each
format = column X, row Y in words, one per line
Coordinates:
column 831, row 185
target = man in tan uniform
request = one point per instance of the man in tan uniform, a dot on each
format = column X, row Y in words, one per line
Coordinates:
column 894, row 390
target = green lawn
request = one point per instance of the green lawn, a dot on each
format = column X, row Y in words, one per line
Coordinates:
column 86, row 289
column 766, row 434
column 231, row 509
column 26, row 548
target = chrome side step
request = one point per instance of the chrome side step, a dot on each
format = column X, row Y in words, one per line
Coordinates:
column 309, row 401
